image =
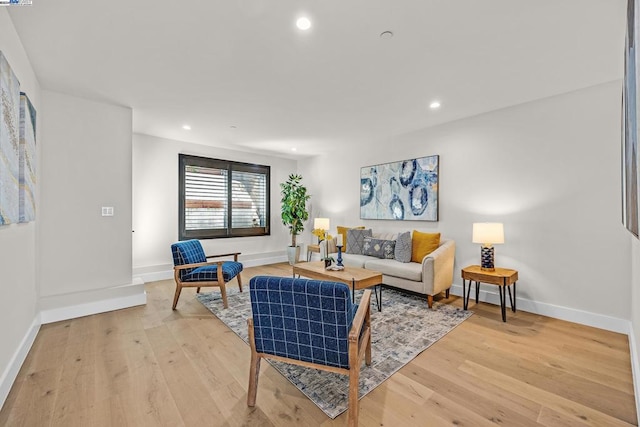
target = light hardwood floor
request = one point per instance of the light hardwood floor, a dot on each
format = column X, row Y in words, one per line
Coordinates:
column 151, row 366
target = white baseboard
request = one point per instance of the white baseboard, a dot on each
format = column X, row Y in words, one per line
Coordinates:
column 601, row 321
column 635, row 367
column 163, row 274
column 11, row 372
column 132, row 295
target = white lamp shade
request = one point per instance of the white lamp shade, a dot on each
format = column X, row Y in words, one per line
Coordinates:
column 321, row 224
column 488, row 233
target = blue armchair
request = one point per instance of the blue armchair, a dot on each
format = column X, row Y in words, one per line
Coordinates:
column 191, row 269
column 310, row 323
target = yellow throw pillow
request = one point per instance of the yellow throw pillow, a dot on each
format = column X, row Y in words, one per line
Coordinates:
column 422, row 244
column 343, row 230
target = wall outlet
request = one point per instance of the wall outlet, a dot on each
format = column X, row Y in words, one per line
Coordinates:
column 107, row 211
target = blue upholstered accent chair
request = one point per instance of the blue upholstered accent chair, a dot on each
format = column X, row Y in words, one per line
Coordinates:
column 191, row 269
column 310, row 323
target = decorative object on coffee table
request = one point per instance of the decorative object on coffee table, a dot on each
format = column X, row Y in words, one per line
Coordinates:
column 488, row 234
column 339, row 243
column 501, row 277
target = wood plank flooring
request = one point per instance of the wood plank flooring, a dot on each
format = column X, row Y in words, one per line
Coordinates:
column 151, row 366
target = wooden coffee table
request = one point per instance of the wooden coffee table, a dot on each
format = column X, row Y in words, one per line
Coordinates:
column 358, row 278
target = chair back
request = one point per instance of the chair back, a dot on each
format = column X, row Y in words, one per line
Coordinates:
column 187, row 252
column 303, row 319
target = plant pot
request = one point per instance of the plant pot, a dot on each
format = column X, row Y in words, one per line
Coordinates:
column 293, row 254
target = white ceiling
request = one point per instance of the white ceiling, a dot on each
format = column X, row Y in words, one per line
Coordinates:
column 217, row 64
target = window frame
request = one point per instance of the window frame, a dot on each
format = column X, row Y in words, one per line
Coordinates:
column 185, row 160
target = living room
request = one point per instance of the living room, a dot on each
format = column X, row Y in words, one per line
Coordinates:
column 548, row 167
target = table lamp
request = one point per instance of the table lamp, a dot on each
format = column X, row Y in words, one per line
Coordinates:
column 321, row 224
column 488, row 234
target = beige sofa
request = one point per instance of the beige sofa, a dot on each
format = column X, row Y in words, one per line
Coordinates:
column 432, row 276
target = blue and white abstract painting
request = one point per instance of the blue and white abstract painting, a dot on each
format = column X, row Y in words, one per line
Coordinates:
column 403, row 190
column 9, row 143
column 27, row 160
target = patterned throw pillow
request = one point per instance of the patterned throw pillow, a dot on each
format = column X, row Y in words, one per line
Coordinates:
column 355, row 240
column 379, row 248
column 403, row 247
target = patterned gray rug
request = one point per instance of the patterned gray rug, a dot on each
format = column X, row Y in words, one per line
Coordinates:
column 404, row 329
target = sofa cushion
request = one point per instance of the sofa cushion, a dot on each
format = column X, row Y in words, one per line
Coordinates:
column 403, row 247
column 422, row 244
column 391, row 267
column 355, row 240
column 379, row 248
column 343, row 230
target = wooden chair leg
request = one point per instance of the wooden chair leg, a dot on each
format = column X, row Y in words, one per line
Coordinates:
column 239, row 282
column 354, row 377
column 223, row 291
column 198, row 290
column 177, row 295
column 446, row 293
column 430, row 301
column 254, row 371
column 254, row 368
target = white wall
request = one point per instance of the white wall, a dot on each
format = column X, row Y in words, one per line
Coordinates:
column 549, row 170
column 155, row 210
column 18, row 305
column 634, row 336
column 84, row 257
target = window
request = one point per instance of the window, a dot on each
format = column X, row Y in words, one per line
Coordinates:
column 208, row 187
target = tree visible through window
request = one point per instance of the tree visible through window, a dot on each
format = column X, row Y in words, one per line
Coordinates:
column 208, row 187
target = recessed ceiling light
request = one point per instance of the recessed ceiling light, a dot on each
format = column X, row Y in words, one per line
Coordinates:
column 434, row 105
column 294, row 149
column 186, row 127
column 303, row 23
column 386, row 35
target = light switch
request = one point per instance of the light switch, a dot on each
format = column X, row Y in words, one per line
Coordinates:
column 107, row 211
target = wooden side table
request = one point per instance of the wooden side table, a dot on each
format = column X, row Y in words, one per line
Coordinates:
column 311, row 249
column 501, row 277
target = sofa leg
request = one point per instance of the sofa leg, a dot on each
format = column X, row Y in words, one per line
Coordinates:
column 446, row 293
column 430, row 301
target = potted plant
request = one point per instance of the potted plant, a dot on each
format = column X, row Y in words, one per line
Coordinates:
column 294, row 211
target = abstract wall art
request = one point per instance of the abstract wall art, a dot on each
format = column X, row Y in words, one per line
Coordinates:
column 27, row 160
column 9, row 143
column 403, row 190
column 630, row 131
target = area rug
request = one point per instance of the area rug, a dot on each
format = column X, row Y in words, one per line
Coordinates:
column 403, row 329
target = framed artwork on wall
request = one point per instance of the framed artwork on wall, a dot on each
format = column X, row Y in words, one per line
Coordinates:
column 27, row 160
column 630, row 132
column 402, row 190
column 9, row 143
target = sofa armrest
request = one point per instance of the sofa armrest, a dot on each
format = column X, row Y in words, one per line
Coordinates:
column 437, row 268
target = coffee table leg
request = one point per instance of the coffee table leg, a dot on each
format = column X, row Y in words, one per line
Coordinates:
column 353, row 291
column 477, row 290
column 378, row 301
